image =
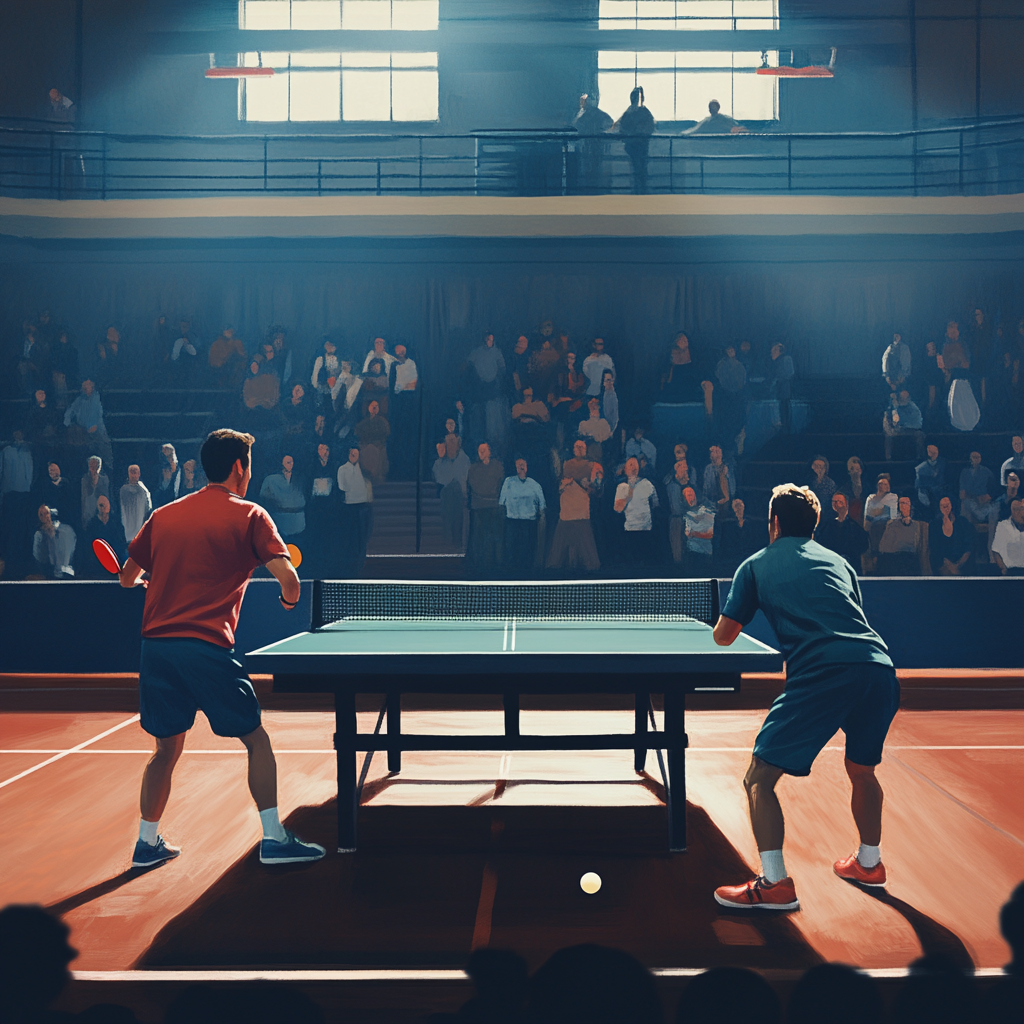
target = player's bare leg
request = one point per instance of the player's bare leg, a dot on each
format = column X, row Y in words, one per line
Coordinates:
column 765, row 810
column 262, row 768
column 865, row 866
column 151, row 849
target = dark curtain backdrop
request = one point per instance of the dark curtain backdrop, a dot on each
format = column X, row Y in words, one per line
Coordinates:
column 834, row 302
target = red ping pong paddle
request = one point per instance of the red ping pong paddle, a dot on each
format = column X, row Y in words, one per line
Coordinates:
column 105, row 553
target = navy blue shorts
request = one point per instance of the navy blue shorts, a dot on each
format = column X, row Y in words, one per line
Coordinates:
column 860, row 699
column 179, row 676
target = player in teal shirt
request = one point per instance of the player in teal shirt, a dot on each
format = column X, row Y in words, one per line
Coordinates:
column 838, row 676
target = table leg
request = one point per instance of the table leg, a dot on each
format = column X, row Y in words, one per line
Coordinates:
column 345, row 745
column 510, row 702
column 676, row 741
column 394, row 732
column 642, row 702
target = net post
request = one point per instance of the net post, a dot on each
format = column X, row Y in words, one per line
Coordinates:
column 715, row 601
column 316, row 609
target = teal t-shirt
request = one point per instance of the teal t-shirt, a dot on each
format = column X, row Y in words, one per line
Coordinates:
column 811, row 598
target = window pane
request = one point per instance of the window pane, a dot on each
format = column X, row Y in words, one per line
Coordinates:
column 705, row 9
column 316, row 14
column 414, row 60
column 756, row 14
column 754, row 97
column 366, row 15
column 694, row 90
column 655, row 14
column 414, row 95
column 274, row 59
column 414, row 15
column 747, row 59
column 366, row 95
column 704, row 59
column 249, row 60
column 616, row 59
column 266, row 99
column 313, row 59
column 266, row 14
column 659, row 94
column 366, row 60
column 614, row 87
column 655, row 60
column 316, row 96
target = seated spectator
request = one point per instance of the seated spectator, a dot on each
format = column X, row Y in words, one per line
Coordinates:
column 930, row 479
column 53, row 547
column 183, row 354
column 903, row 419
column 594, row 367
column 530, row 411
column 637, row 499
column 823, row 485
column 95, row 484
column 271, row 364
column 573, row 545
column 1015, row 461
column 834, row 992
column 261, row 388
column 523, row 501
column 675, row 484
column 543, row 367
column 700, row 534
column 734, row 540
column 935, row 382
column 326, row 368
column 843, row 534
column 226, row 358
column 1008, row 544
column 110, row 353
column 684, row 381
column 521, row 364
column 879, row 508
column 679, row 454
column 719, row 481
column 780, row 375
column 716, row 123
column 486, row 518
column 728, row 994
column 299, row 415
column 283, row 495
column 373, row 432
column 345, row 402
column 375, row 387
column 357, row 521
column 136, row 504
column 977, row 489
column 104, row 525
column 571, row 388
column 1010, row 495
column 640, row 448
column 937, row 989
column 853, row 488
column 950, row 541
column 896, row 362
column 379, row 351
column 168, row 478
column 34, row 958
column 58, row 492
column 84, row 420
column 450, row 473
column 44, row 422
column 903, row 549
column 277, row 336
column 609, row 401
column 596, row 430
column 65, row 373
column 191, row 480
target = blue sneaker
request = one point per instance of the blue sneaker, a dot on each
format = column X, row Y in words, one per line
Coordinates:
column 291, row 851
column 147, row 856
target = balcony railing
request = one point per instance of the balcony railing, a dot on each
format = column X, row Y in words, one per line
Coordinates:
column 981, row 159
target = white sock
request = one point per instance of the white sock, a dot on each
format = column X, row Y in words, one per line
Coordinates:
column 773, row 867
column 869, row 856
column 148, row 831
column 272, row 827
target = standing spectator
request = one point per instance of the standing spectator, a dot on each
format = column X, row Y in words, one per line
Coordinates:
column 902, row 418
column 981, row 352
column 282, row 353
column 640, row 448
column 57, row 492
column 379, row 351
column 730, row 407
column 104, row 525
column 345, row 399
column 1010, row 495
column 486, row 518
column 168, row 477
column 591, row 123
column 226, row 358
column 700, row 535
column 879, row 508
column 736, row 539
column 930, row 479
column 191, row 481
column 284, row 496
column 95, row 484
column 977, row 488
column 488, row 405
column 299, row 416
column 1015, row 461
column 596, row 430
column 322, row 517
column 823, row 485
column 961, row 402
column 375, row 387
column 544, row 365
column 44, row 424
column 609, row 401
column 843, row 534
column 573, row 545
column 183, row 354
column 64, row 367
column 16, row 471
column 136, row 503
column 677, row 509
column 679, row 455
column 404, row 409
column 684, row 381
column 62, row 108
column 32, row 363
column 1008, row 545
column 357, row 523
column 373, row 432
column 326, row 368
column 896, row 362
column 950, row 541
column 111, row 357
column 450, row 473
column 903, row 549
column 594, row 367
column 719, row 483
column 53, row 547
column 781, row 373
column 637, row 498
column 934, row 382
column 521, row 365
column 84, row 418
column 637, row 125
column 523, row 501
column 571, row 387
column 853, row 488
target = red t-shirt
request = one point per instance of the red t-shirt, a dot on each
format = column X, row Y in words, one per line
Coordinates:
column 200, row 551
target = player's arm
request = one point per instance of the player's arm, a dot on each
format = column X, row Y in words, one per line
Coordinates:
column 284, row 572
column 726, row 631
column 131, row 574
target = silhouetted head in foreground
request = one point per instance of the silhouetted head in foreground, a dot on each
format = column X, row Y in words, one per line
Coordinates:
column 499, row 977
column 34, row 958
column 937, row 991
column 835, row 993
column 260, row 1002
column 593, row 985
column 729, row 994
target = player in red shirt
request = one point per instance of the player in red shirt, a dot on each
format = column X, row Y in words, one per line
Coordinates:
column 199, row 552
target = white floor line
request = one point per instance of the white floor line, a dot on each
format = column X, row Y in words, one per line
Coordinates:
column 72, row 750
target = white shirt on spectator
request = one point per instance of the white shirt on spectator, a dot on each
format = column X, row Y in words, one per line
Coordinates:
column 353, row 483
column 875, row 505
column 593, row 369
column 387, row 358
column 638, row 507
column 405, row 373
column 1008, row 543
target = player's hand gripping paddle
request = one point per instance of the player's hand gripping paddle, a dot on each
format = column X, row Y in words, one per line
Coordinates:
column 108, row 557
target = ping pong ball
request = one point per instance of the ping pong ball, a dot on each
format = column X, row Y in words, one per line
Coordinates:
column 590, row 882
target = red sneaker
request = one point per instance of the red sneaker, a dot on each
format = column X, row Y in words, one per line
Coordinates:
column 759, row 894
column 851, row 870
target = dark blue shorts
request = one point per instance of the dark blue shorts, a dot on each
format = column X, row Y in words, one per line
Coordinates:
column 861, row 699
column 179, row 676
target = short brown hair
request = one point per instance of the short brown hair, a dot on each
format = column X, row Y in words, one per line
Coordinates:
column 221, row 449
column 796, row 508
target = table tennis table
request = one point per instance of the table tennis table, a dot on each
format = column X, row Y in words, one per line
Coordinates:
column 617, row 636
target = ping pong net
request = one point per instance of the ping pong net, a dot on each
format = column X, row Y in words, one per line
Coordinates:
column 588, row 601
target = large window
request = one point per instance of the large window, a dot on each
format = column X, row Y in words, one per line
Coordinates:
column 723, row 15
column 325, row 15
column 678, row 86
column 340, row 86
